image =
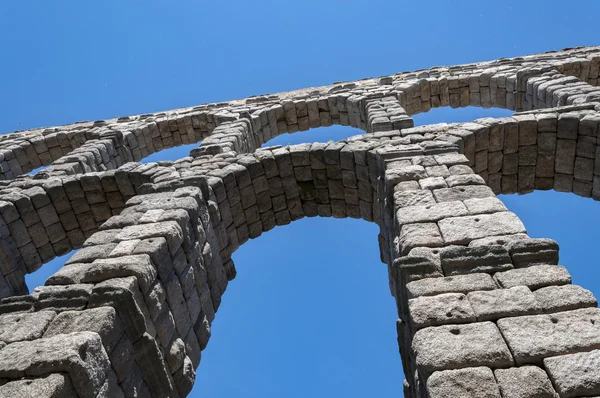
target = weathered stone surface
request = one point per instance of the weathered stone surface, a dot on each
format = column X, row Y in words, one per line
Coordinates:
column 524, row 382
column 499, row 303
column 460, row 346
column 458, row 260
column 450, row 284
column 462, row 230
column 575, row 375
column 102, row 320
column 535, row 337
column 534, row 277
column 24, row 326
column 528, row 252
column 465, row 383
column 415, row 235
column 440, row 310
column 462, row 193
column 79, row 354
column 429, row 213
column 564, row 298
column 136, row 265
column 415, row 267
column 417, row 197
column 484, row 205
column 56, row 385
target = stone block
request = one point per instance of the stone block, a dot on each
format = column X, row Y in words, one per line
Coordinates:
column 575, row 375
column 484, row 205
column 462, row 230
column 457, row 260
column 438, row 310
column 460, row 346
column 138, row 265
column 101, row 320
column 535, row 337
column 528, row 252
column 81, row 355
column 499, row 303
column 415, row 235
column 464, row 383
column 564, row 298
column 524, row 382
column 462, row 193
column 24, row 326
column 429, row 213
column 450, row 284
column 418, row 197
column 56, row 385
column 534, row 277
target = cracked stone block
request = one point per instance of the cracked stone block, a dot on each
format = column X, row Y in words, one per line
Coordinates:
column 524, row 382
column 24, row 326
column 564, row 298
column 438, row 310
column 460, row 346
column 450, row 284
column 465, row 383
column 534, row 277
column 458, row 260
column 575, row 375
column 535, row 337
column 499, row 303
column 462, row 230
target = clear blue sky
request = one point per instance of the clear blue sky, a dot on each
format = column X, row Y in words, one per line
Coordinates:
column 310, row 312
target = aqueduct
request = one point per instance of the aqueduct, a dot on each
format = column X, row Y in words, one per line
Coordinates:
column 484, row 310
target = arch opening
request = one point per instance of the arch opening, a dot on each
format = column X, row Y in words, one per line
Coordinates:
column 320, row 134
column 300, row 316
column 467, row 114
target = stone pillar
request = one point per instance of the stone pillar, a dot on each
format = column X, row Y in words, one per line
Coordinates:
column 484, row 309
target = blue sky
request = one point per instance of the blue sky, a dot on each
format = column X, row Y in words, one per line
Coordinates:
column 310, row 312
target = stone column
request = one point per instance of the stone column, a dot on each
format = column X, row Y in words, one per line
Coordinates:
column 484, row 309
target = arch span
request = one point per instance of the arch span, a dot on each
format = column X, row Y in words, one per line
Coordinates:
column 130, row 313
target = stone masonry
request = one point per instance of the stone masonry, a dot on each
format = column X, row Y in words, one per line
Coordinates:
column 484, row 310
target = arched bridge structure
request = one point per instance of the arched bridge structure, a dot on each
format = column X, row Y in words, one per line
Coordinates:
column 484, row 310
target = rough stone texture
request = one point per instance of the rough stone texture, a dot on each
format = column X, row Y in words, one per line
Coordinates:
column 57, row 385
column 534, row 277
column 500, row 303
column 131, row 311
column 460, row 346
column 564, row 298
column 524, row 382
column 441, row 309
column 532, row 338
column 468, row 383
column 575, row 375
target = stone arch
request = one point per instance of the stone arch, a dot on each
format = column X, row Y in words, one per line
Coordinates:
column 132, row 310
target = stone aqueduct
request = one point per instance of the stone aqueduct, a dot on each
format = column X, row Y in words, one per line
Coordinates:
column 484, row 310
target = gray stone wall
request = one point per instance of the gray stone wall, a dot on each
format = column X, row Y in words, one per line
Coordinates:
column 484, row 310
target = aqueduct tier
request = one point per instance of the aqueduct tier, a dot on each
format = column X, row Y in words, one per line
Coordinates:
column 484, row 310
